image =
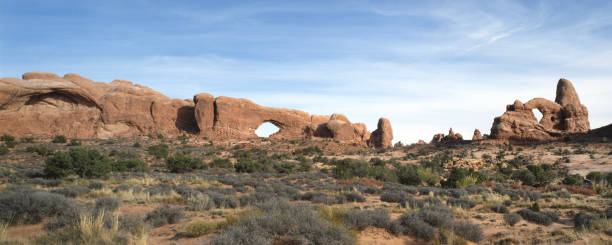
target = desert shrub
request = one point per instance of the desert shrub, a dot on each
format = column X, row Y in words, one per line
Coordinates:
column 124, row 187
column 133, row 223
column 284, row 167
column 41, row 150
column 7, row 138
column 583, row 220
column 500, row 209
column 563, row 194
column 60, row 139
column 437, row 215
column 130, row 165
column 31, row 206
column 308, row 151
column 535, row 175
column 181, row 163
column 414, row 225
column 574, row 179
column 44, row 182
column 71, row 191
column 359, row 220
column 535, row 207
column 324, row 198
column 407, row 175
column 165, row 214
column 554, row 217
column 200, row 202
column 349, row 168
column 468, row 230
column 512, row 218
column 107, row 204
column 596, row 177
column 462, row 203
column 222, row 201
column 200, row 228
column 221, row 163
column 372, row 190
column 535, row 217
column 137, row 145
column 525, row 176
column 533, row 195
column 394, row 196
column 27, row 140
column 4, row 150
column 82, row 162
column 283, row 223
column 354, row 197
column 158, row 151
column 74, row 142
column 248, row 166
column 161, row 189
column 461, row 178
column 341, row 199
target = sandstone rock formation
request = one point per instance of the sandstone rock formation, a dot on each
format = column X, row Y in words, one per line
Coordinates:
column 452, row 137
column 382, row 136
column 43, row 105
column 477, row 135
column 563, row 116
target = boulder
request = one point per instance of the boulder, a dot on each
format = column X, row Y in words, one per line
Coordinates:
column 383, row 135
column 477, row 135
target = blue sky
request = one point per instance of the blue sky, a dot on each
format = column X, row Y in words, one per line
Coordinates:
column 425, row 65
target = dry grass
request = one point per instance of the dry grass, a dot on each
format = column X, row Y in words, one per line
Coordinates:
column 3, row 232
column 92, row 231
column 144, row 197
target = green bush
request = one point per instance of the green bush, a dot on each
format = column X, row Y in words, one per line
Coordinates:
column 27, row 140
column 595, row 177
column 461, row 178
column 543, row 173
column 158, row 151
column 574, row 179
column 221, row 163
column 181, row 163
column 9, row 141
column 74, row 142
column 200, row 228
column 40, row 150
column 60, row 139
column 82, row 162
column 7, row 138
column 130, row 165
column 248, row 166
column 4, row 150
column 525, row 176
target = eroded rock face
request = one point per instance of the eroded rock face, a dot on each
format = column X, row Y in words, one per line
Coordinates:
column 452, row 137
column 562, row 116
column 383, row 135
column 477, row 135
column 45, row 104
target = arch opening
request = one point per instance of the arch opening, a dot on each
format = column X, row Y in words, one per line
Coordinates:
column 537, row 114
column 266, row 129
